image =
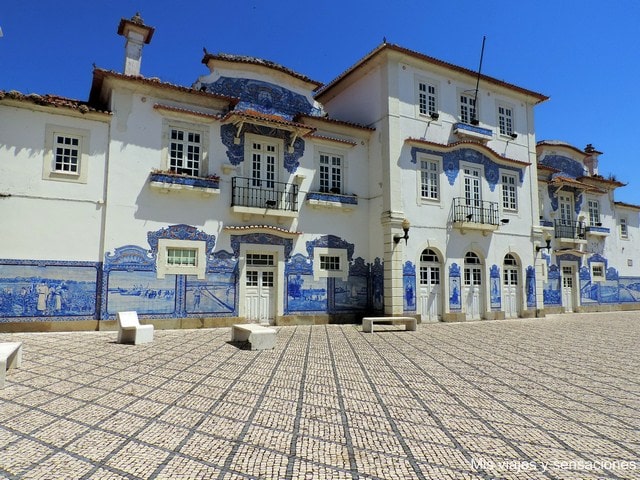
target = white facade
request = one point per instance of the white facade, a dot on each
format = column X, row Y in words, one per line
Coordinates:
column 255, row 195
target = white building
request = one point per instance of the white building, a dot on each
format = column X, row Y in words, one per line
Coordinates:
column 595, row 244
column 256, row 194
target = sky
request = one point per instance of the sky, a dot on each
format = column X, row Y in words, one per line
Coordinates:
column 583, row 54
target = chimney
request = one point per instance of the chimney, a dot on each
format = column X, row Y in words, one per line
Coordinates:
column 591, row 159
column 136, row 33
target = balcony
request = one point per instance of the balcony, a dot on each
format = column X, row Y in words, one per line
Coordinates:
column 166, row 182
column 264, row 197
column 475, row 215
column 569, row 231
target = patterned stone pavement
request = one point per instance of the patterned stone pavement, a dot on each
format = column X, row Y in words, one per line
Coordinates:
column 553, row 398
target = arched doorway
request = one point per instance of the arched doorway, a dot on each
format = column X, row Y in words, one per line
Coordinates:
column 430, row 279
column 472, row 287
column 510, row 287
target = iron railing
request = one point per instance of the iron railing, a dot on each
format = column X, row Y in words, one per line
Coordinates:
column 254, row 192
column 569, row 229
column 475, row 211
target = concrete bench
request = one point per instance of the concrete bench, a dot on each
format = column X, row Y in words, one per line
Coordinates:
column 10, row 357
column 258, row 337
column 410, row 323
column 130, row 330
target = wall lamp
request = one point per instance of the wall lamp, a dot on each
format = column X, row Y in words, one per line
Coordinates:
column 548, row 246
column 405, row 227
column 513, row 136
column 435, row 116
column 504, row 221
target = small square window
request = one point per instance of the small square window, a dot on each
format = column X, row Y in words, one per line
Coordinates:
column 330, row 262
column 66, row 154
column 182, row 257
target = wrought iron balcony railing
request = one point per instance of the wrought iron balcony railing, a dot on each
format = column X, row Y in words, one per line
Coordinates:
column 569, row 229
column 257, row 193
column 475, row 211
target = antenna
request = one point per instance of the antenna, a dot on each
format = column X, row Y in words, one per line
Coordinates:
column 474, row 120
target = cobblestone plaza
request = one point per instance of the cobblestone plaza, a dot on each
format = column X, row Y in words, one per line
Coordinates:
column 549, row 398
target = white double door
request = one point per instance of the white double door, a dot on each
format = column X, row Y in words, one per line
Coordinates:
column 510, row 292
column 260, row 288
column 568, row 291
column 430, row 293
column 472, row 292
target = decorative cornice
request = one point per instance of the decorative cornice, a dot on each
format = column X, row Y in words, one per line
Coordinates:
column 469, row 144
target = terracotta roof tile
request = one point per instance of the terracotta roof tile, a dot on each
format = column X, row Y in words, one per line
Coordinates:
column 49, row 100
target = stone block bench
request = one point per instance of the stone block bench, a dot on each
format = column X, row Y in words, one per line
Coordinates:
column 130, row 330
column 10, row 357
column 410, row 323
column 257, row 336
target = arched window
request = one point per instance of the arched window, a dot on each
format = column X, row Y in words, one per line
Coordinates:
column 429, row 255
column 510, row 260
column 472, row 259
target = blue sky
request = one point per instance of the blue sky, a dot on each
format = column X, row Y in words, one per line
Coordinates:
column 584, row 54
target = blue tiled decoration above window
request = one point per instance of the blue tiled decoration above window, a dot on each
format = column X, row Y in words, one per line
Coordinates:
column 263, row 97
column 330, row 241
column 180, row 232
column 577, row 197
column 235, row 153
column 261, row 239
column 298, row 264
column 568, row 166
column 451, row 164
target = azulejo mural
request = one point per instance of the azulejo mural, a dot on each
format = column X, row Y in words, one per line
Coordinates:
column 409, row 286
column 451, row 164
column 48, row 289
column 263, row 97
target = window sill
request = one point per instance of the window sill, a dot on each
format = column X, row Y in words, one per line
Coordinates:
column 472, row 131
column 598, row 231
column 346, row 203
column 166, row 183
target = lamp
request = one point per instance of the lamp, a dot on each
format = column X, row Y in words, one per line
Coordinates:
column 405, row 227
column 548, row 246
column 513, row 135
column 504, row 221
column 435, row 116
column 474, row 121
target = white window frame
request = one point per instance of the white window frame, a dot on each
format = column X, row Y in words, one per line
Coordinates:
column 249, row 140
column 509, row 204
column 49, row 171
column 430, row 160
column 598, row 277
column 467, row 117
column 169, row 125
column 332, row 153
column 593, row 209
column 506, row 122
column 319, row 273
column 432, row 102
column 163, row 268
column 624, row 228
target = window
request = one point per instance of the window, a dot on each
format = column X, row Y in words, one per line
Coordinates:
column 181, row 257
column 430, row 179
column 185, row 148
column 185, row 151
column 624, row 229
column 66, row 154
column 260, row 259
column 509, row 192
column 505, row 119
column 594, row 213
column 467, row 108
column 597, row 272
column 331, row 173
column 330, row 263
column 427, row 98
